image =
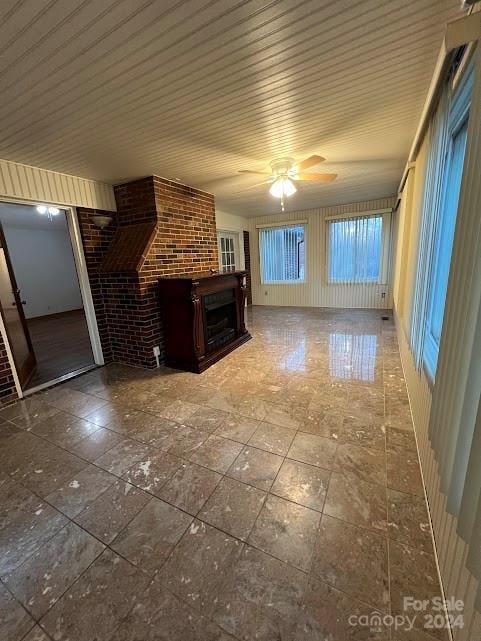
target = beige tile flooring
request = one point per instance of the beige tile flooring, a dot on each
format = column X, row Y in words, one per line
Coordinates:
column 277, row 496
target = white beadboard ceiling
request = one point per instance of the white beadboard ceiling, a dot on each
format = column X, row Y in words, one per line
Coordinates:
column 199, row 89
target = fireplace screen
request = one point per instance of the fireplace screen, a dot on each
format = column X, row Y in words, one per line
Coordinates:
column 220, row 318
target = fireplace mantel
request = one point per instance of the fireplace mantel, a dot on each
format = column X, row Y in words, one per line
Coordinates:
column 204, row 317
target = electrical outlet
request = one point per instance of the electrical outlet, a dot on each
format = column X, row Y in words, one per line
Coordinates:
column 383, row 295
column 156, row 350
column 265, row 293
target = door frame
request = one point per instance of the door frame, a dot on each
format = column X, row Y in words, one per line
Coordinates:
column 237, row 254
column 84, row 284
column 31, row 362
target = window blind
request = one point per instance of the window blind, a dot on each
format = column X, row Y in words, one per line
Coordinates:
column 447, row 141
column 282, row 254
column 442, row 254
column 355, row 249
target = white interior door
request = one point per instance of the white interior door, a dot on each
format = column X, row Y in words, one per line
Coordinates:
column 228, row 251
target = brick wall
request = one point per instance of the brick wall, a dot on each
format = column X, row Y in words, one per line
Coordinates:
column 127, row 305
column 187, row 238
column 136, row 201
column 185, row 242
column 95, row 242
column 8, row 393
column 247, row 259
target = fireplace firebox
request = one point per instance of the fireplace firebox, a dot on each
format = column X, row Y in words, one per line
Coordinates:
column 203, row 316
column 220, row 318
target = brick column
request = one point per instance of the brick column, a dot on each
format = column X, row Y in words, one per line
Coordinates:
column 185, row 242
column 95, row 242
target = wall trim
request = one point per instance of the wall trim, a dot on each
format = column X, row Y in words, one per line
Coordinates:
column 360, row 214
column 287, row 223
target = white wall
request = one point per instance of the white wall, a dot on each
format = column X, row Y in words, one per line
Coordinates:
column 316, row 292
column 44, row 269
column 236, row 224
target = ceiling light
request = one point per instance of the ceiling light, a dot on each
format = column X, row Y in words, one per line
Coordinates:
column 282, row 187
column 49, row 211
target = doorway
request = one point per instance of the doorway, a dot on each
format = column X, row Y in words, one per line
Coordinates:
column 41, row 298
column 228, row 243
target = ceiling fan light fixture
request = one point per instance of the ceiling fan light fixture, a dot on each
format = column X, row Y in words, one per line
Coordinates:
column 282, row 187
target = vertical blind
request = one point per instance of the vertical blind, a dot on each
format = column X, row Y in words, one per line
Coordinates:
column 447, row 307
column 355, row 249
column 442, row 251
column 282, row 254
column 436, row 149
column 446, row 149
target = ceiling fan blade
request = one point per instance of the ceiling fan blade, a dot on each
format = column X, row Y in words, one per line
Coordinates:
column 264, row 182
column 322, row 178
column 256, row 173
column 310, row 162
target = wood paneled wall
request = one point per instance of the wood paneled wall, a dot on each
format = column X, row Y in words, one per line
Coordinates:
column 451, row 549
column 40, row 185
column 316, row 292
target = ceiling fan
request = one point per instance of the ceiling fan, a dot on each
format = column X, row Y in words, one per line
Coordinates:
column 285, row 172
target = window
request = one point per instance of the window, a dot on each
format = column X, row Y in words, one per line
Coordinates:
column 282, row 254
column 355, row 249
column 227, row 251
column 446, row 151
column 443, row 247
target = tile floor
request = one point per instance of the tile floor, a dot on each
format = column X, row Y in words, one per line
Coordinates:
column 273, row 497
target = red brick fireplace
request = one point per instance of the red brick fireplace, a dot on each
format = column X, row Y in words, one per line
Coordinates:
column 184, row 241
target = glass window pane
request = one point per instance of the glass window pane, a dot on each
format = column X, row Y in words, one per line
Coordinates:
column 355, row 247
column 227, row 252
column 282, row 259
column 443, row 249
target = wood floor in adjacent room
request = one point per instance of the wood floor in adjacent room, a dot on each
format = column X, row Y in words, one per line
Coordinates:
column 61, row 344
column 276, row 496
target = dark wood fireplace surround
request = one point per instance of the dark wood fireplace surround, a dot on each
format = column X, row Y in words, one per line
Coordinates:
column 203, row 316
